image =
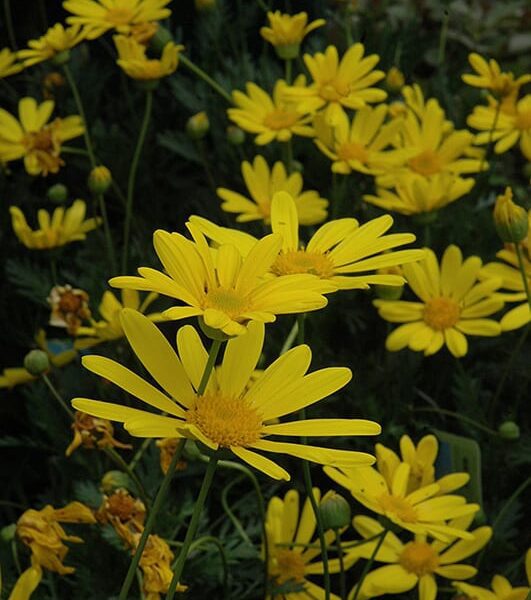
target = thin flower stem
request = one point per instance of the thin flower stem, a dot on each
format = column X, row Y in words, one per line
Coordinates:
column 132, row 178
column 317, row 546
column 288, row 156
column 291, row 338
column 491, row 135
column 139, row 453
column 140, row 584
column 192, row 528
column 205, row 77
column 459, row 416
column 368, row 565
column 342, row 581
column 262, row 5
column 443, row 38
column 209, row 539
column 113, row 455
column 9, row 25
column 523, row 272
column 57, row 396
column 230, row 513
column 159, row 499
column 288, row 63
column 211, row 361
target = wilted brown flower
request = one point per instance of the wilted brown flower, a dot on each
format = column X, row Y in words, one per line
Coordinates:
column 69, row 307
column 92, row 432
column 168, row 446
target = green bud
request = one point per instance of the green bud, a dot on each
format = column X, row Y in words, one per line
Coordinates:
column 296, row 166
column 509, row 430
column 197, row 126
column 160, row 39
column 335, row 511
column 113, row 480
column 7, row 533
column 235, row 135
column 99, row 180
column 57, row 193
column 61, row 58
column 36, row 362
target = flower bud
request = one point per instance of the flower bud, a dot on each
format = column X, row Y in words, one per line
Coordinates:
column 36, row 362
column 335, row 511
column 510, row 219
column 113, row 480
column 57, row 193
column 509, row 430
column 160, row 39
column 296, row 166
column 61, row 58
column 394, row 80
column 235, row 135
column 99, row 180
column 7, row 533
column 288, row 51
column 197, row 126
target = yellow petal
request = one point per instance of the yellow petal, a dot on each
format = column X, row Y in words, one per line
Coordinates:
column 261, row 463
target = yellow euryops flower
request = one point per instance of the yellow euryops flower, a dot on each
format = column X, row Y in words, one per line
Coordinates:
column 262, row 183
column 232, row 412
column 424, row 511
column 98, row 16
column 415, row 563
column 286, row 32
column 26, row 584
column 54, row 42
column 109, row 328
column 359, row 145
column 510, row 220
column 8, row 63
column 451, row 304
column 33, row 138
column 341, row 252
column 337, row 84
column 394, row 80
column 269, row 117
column 489, row 76
column 62, row 227
column 289, row 567
column 501, row 587
column 505, row 127
column 421, row 459
column 91, row 432
column 134, row 62
column 512, row 281
column 225, row 290
column 41, row 532
column 415, row 194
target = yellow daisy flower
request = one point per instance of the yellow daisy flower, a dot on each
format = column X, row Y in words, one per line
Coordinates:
column 271, row 118
column 262, row 183
column 33, row 138
column 489, row 76
column 501, row 587
column 452, row 304
column 8, row 63
column 359, row 145
column 98, row 16
column 63, row 227
column 415, row 194
column 134, row 62
column 340, row 252
column 336, row 84
column 510, row 128
column 289, row 567
column 422, row 512
column 56, row 40
column 233, row 410
column 225, row 290
column 417, row 562
column 286, row 32
column 421, row 459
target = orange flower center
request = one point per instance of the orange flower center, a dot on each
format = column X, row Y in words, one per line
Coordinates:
column 426, row 163
column 289, row 567
column 226, row 420
column 70, row 302
column 281, row 119
column 119, row 16
column 121, row 506
column 419, row 558
column 46, row 148
column 227, row 301
column 353, row 151
column 441, row 313
column 523, row 120
column 300, row 261
column 399, row 507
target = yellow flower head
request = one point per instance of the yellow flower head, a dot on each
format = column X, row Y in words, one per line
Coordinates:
column 415, row 194
column 62, row 227
column 336, row 84
column 133, row 60
column 262, row 183
column 451, row 304
column 234, row 408
column 33, row 138
column 56, row 40
column 91, row 432
column 415, row 563
column 225, row 290
column 489, row 76
column 424, row 511
column 8, row 63
column 286, row 32
column 269, row 117
column 98, row 16
column 394, row 80
column 340, row 253
column 41, row 532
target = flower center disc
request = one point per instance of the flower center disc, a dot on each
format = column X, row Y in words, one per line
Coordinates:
column 441, row 313
column 289, row 567
column 226, row 301
column 300, row 261
column 352, row 151
column 225, row 420
column 419, row 558
column 119, row 16
column 426, row 163
column 399, row 507
column 281, row 119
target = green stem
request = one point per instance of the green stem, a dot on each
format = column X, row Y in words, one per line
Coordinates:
column 113, row 455
column 192, row 528
column 9, row 25
column 205, row 77
column 288, row 63
column 342, row 582
column 157, row 504
column 288, row 156
column 368, row 565
column 211, row 361
column 228, row 511
column 132, row 178
column 209, row 539
column 317, row 546
column 458, row 416
column 523, row 272
column 107, row 232
column 58, row 396
column 291, row 338
column 139, row 453
column 442, row 39
column 491, row 135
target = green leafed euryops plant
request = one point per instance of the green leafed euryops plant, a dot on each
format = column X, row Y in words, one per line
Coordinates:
column 267, row 300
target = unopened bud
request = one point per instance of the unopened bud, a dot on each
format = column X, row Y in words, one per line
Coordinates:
column 57, row 193
column 394, row 80
column 509, row 430
column 510, row 219
column 7, row 533
column 99, row 180
column 235, row 135
column 36, row 362
column 197, row 126
column 335, row 511
column 160, row 39
column 113, row 480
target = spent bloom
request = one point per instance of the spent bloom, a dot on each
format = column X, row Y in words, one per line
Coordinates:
column 286, row 32
column 263, row 182
column 233, row 410
column 69, row 307
column 55, row 41
column 58, row 229
column 452, row 304
column 489, row 76
column 91, row 432
column 133, row 60
column 8, row 63
column 35, row 139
